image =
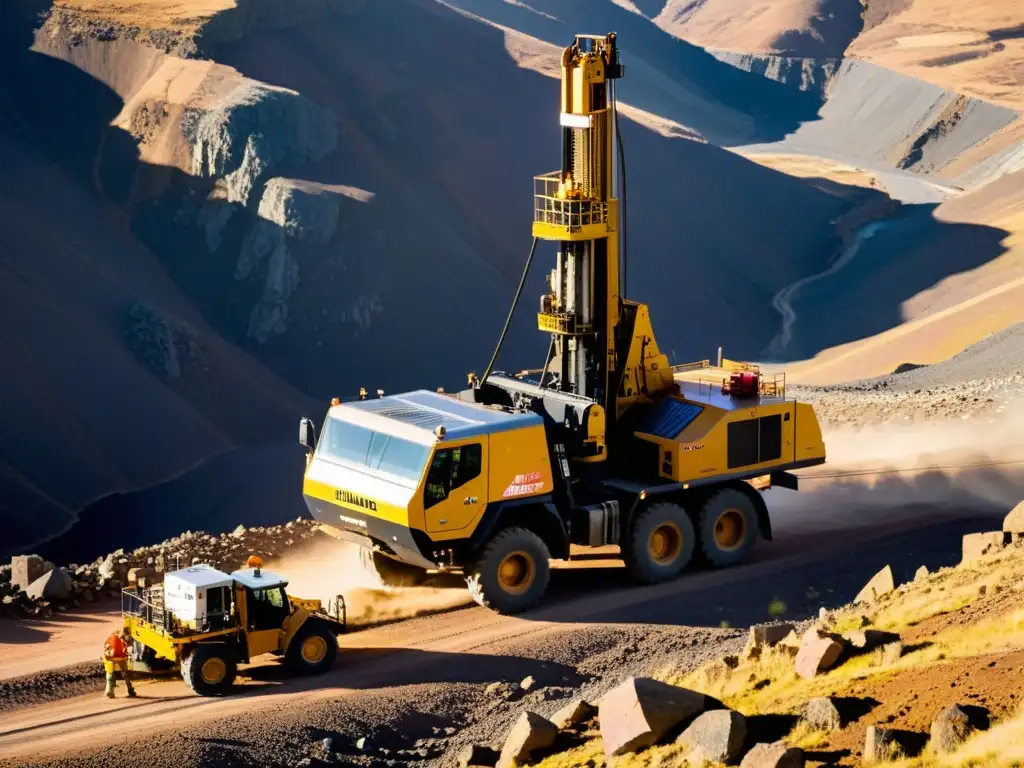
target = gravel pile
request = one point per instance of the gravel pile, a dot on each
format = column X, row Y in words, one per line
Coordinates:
column 978, row 383
column 21, row 595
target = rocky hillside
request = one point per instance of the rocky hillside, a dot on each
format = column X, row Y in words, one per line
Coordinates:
column 912, row 675
column 251, row 196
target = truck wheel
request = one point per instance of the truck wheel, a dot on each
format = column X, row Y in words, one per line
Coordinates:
column 511, row 573
column 392, row 573
column 728, row 527
column 313, row 650
column 210, row 669
column 661, row 543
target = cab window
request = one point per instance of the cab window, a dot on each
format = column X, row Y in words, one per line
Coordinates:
column 450, row 469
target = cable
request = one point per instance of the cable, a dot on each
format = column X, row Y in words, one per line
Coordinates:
column 867, row 472
column 508, row 320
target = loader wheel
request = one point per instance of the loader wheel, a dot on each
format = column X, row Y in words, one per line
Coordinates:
column 511, row 573
column 210, row 669
column 661, row 543
column 728, row 527
column 313, row 650
column 392, row 573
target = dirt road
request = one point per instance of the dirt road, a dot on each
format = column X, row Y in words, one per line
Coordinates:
column 403, row 684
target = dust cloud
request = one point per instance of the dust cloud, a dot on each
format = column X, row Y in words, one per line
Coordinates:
column 326, row 568
column 897, row 472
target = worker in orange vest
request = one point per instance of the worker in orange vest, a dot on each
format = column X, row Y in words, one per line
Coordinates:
column 115, row 656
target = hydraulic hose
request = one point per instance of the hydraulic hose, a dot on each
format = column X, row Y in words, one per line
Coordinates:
column 622, row 205
column 508, row 320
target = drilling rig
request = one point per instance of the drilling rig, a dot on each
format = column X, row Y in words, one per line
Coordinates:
column 606, row 445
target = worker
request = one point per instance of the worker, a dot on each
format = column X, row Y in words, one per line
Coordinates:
column 115, row 657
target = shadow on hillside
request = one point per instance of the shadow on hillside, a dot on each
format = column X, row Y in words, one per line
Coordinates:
column 666, row 75
column 793, row 592
column 897, row 259
column 252, row 487
column 59, row 112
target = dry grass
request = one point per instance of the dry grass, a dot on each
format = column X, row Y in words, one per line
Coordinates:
column 591, row 755
column 1002, row 746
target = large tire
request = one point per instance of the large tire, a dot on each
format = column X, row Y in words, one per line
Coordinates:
column 391, row 572
column 210, row 669
column 511, row 573
column 660, row 544
column 727, row 527
column 313, row 650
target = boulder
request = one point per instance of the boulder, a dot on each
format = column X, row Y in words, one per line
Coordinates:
column 1014, row 522
column 638, row 711
column 26, row 569
column 921, row 573
column 822, row 715
column 777, row 755
column 881, row 584
column 950, row 729
column 530, row 732
column 768, row 635
column 476, row 756
column 975, row 546
column 818, row 653
column 868, row 639
column 574, row 713
column 716, row 736
column 55, row 585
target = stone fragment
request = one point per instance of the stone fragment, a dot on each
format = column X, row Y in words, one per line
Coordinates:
column 818, row 653
column 769, row 635
column 638, row 711
column 574, row 713
column 55, row 585
column 869, row 639
column 881, row 584
column 977, row 545
column 477, row 756
column 25, row 569
column 530, row 732
column 716, row 736
column 951, row 728
column 527, row 683
column 1014, row 521
column 821, row 714
column 921, row 573
column 777, row 755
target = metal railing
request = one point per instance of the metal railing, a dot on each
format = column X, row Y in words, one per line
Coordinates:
column 555, row 205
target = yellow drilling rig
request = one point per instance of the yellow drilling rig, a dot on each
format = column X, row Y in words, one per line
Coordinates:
column 606, row 444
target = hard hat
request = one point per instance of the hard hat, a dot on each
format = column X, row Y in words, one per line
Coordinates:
column 254, row 561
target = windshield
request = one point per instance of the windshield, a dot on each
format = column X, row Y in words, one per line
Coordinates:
column 363, row 447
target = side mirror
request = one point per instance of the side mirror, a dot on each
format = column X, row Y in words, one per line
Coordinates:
column 307, row 433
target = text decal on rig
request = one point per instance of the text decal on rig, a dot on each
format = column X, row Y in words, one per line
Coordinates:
column 356, row 501
column 524, row 484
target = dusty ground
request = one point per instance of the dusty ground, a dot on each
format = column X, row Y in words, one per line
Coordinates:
column 397, row 683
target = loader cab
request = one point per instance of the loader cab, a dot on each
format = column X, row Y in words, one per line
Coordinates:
column 262, row 599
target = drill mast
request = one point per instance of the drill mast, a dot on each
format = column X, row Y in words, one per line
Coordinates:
column 577, row 208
